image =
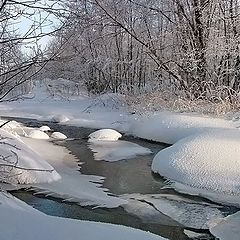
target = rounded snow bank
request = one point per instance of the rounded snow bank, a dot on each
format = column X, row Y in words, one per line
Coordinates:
column 30, row 224
column 20, row 164
column 104, row 135
column 170, row 127
column 58, row 135
column 208, row 161
column 45, row 128
column 38, row 134
column 60, row 118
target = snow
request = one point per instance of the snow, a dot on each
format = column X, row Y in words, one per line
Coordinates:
column 194, row 235
column 85, row 190
column 45, row 128
column 181, row 211
column 58, row 135
column 207, row 161
column 60, row 118
column 170, row 127
column 116, row 150
column 104, row 135
column 38, row 134
column 29, row 166
column 203, row 160
column 69, row 184
column 22, row 222
column 226, row 228
column 165, row 126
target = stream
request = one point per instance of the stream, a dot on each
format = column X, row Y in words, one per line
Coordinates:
column 132, row 176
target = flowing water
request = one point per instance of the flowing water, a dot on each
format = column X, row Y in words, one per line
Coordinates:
column 122, row 177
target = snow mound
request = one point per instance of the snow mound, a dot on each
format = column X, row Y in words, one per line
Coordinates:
column 226, row 228
column 38, row 134
column 20, row 164
column 208, row 161
column 104, row 135
column 58, row 135
column 117, row 150
column 14, row 128
column 22, row 222
column 44, row 128
column 60, row 118
column 170, row 127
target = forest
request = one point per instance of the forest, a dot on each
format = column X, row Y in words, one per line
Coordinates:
column 168, row 52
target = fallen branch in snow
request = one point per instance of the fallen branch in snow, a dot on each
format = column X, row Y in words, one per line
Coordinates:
column 14, row 164
column 5, row 123
column 27, row 169
column 6, row 143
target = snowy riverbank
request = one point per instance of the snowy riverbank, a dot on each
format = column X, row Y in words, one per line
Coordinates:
column 202, row 161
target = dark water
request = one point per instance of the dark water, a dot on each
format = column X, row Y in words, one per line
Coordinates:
column 122, row 177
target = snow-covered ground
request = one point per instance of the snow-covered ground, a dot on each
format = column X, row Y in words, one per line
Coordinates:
column 226, row 228
column 19, row 221
column 203, row 160
column 20, row 164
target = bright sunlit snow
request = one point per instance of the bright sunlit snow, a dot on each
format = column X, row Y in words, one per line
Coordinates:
column 60, row 118
column 104, row 135
column 203, row 160
column 22, row 222
column 73, row 186
column 44, row 128
column 29, row 166
column 38, row 134
column 170, row 127
column 207, row 161
column 58, row 135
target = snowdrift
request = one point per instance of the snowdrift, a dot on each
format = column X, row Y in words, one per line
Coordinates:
column 207, row 161
column 104, row 135
column 23, row 222
column 20, row 164
column 170, row 127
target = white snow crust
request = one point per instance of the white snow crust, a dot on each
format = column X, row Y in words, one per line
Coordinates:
column 73, row 186
column 207, row 161
column 60, row 118
column 104, row 135
column 116, row 150
column 38, row 134
column 226, row 228
column 22, row 222
column 170, row 127
column 212, row 178
column 58, row 135
column 181, row 211
column 30, row 167
column 44, row 128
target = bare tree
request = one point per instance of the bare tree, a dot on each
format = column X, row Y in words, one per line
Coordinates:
column 187, row 47
column 22, row 25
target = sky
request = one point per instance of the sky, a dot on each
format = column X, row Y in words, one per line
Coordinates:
column 35, row 21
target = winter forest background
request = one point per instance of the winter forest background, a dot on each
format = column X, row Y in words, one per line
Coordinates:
column 177, row 54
